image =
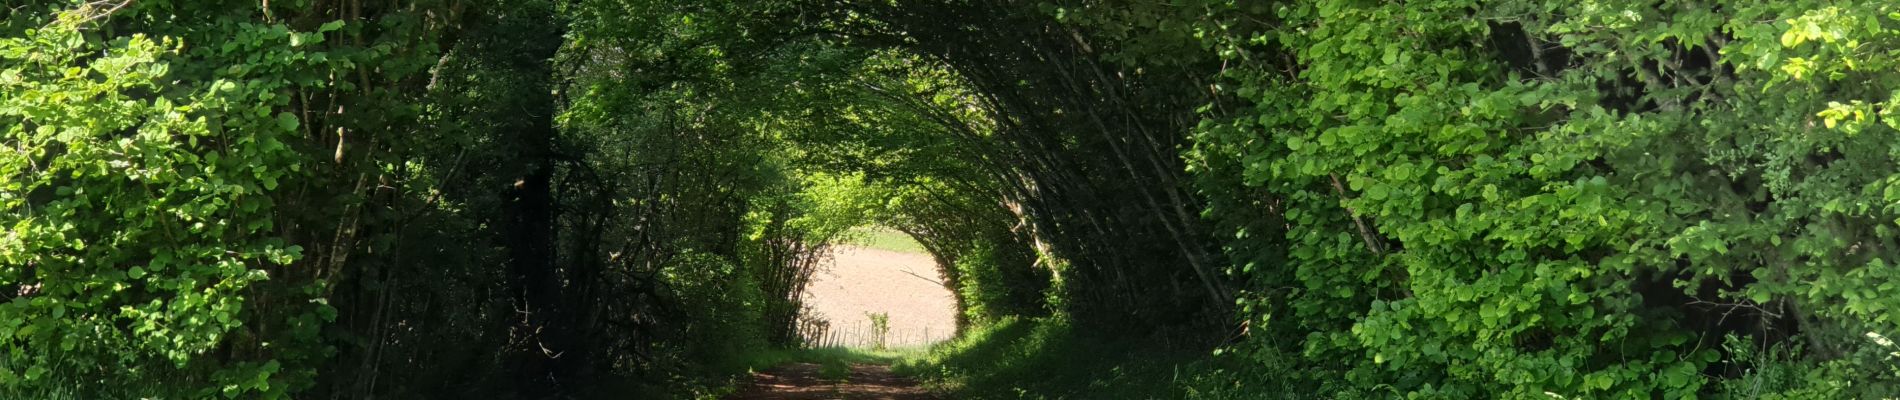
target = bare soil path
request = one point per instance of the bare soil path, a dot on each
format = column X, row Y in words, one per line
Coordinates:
column 801, row 382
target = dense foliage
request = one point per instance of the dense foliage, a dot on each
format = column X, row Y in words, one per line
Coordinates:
column 1339, row 198
column 343, row 199
column 1589, row 200
column 157, row 195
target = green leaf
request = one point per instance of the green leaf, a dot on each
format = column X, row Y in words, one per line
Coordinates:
column 287, row 122
column 1760, row 296
column 1376, row 192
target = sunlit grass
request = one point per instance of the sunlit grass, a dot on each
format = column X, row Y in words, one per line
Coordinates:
column 1048, row 359
column 884, row 238
column 834, row 355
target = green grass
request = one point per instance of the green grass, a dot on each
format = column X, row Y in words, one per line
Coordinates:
column 834, row 370
column 834, row 363
column 883, row 238
column 831, row 355
column 1048, row 359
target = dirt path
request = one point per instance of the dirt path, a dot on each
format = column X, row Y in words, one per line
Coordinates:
column 801, row 382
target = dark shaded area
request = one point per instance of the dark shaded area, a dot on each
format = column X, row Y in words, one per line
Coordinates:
column 804, row 381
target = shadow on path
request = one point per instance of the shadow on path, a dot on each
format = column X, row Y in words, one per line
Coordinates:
column 800, row 381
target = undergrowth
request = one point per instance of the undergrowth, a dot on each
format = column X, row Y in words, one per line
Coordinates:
column 822, row 356
column 1049, row 358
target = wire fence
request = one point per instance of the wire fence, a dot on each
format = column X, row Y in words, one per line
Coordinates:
column 867, row 335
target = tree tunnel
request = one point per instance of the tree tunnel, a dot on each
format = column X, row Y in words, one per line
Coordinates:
column 989, row 134
column 554, row 199
column 695, row 164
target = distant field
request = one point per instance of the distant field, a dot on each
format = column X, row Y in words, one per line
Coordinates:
column 885, row 239
column 904, row 286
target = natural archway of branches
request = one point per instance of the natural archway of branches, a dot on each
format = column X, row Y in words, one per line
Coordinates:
column 1222, row 199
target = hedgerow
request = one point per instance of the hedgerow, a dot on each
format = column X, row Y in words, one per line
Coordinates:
column 1587, row 200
